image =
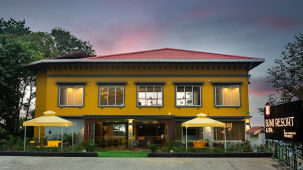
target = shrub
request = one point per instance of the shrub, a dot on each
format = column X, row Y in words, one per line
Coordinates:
column 153, row 148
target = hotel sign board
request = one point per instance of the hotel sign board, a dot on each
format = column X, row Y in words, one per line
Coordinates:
column 284, row 122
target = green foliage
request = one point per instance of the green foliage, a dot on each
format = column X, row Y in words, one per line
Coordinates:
column 68, row 43
column 286, row 76
column 89, row 146
column 13, row 27
column 19, row 46
column 153, row 148
column 168, row 147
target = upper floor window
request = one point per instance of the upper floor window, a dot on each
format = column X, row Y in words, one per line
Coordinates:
column 227, row 95
column 150, row 95
column 71, row 95
column 188, row 95
column 111, row 95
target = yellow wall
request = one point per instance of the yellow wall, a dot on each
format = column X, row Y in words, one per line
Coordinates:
column 47, row 89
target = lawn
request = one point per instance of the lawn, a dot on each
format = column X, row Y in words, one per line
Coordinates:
column 128, row 154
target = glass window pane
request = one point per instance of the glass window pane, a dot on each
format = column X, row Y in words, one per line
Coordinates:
column 180, row 88
column 149, row 102
column 70, row 96
column 159, row 102
column 79, row 96
column 188, row 92
column 180, row 95
column 219, row 95
column 141, row 95
column 149, row 95
column 63, row 95
column 142, row 88
column 189, row 102
column 103, row 95
column 111, row 95
column 227, row 96
column 150, row 89
column 158, row 89
column 197, row 96
column 235, row 95
column 182, row 102
column 141, row 102
column 159, row 95
column 119, row 95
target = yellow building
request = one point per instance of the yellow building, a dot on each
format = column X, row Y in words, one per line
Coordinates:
column 146, row 95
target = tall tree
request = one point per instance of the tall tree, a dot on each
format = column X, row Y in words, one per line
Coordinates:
column 68, row 43
column 287, row 74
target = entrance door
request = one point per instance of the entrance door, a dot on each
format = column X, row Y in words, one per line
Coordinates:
column 147, row 134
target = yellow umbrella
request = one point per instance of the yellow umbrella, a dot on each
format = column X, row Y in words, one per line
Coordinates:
column 49, row 119
column 202, row 121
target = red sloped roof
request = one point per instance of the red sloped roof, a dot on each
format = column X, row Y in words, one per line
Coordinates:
column 168, row 53
column 255, row 130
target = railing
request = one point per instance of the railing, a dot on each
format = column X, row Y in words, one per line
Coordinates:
column 288, row 153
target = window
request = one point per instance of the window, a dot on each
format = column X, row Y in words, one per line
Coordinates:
column 150, row 95
column 71, row 95
column 188, row 95
column 227, row 95
column 111, row 95
column 119, row 129
column 234, row 131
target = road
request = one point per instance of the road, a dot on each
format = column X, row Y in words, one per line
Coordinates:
column 75, row 163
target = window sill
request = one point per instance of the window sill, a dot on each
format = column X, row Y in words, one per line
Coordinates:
column 179, row 107
column 61, row 107
column 149, row 107
column 102, row 107
column 227, row 107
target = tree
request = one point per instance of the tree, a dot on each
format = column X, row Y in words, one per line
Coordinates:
column 18, row 46
column 68, row 43
column 287, row 75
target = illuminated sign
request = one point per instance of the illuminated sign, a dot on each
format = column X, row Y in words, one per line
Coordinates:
column 284, row 122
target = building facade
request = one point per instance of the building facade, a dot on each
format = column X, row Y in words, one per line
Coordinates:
column 145, row 96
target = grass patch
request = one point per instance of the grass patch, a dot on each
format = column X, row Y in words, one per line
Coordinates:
column 127, row 154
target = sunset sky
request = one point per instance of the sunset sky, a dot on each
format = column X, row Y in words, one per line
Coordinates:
column 247, row 28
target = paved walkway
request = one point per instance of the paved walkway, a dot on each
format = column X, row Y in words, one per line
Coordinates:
column 72, row 163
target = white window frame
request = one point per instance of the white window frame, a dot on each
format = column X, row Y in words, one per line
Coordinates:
column 107, row 86
column 192, row 87
column 69, row 86
column 162, row 93
column 224, row 85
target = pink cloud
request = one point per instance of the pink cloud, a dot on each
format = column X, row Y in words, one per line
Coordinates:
column 128, row 37
column 282, row 23
column 260, row 87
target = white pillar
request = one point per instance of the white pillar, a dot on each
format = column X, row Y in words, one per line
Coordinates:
column 182, row 135
column 72, row 137
column 24, row 142
column 39, row 134
column 225, row 138
column 186, row 138
column 61, row 138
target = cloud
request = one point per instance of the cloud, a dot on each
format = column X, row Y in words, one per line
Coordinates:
column 127, row 37
column 260, row 87
column 281, row 23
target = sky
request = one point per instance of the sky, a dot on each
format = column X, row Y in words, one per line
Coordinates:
column 259, row 28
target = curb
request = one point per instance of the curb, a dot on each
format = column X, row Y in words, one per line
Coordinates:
column 210, row 155
column 51, row 154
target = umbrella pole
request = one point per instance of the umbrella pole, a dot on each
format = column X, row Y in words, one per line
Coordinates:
column 39, row 134
column 73, row 137
column 61, row 138
column 24, row 138
column 186, row 138
column 182, row 135
column 225, row 138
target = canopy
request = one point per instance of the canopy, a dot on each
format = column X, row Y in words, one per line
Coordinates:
column 202, row 121
column 49, row 119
